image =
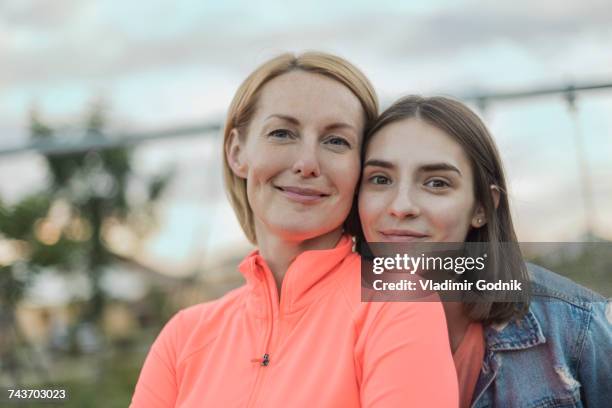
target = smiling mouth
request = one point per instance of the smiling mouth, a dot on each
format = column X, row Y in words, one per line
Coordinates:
column 402, row 235
column 302, row 195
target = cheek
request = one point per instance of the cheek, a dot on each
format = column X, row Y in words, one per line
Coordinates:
column 261, row 170
column 345, row 173
column 371, row 207
column 450, row 218
column 260, row 175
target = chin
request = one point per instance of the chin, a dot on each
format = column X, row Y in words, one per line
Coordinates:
column 303, row 232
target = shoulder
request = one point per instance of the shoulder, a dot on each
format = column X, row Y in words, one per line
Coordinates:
column 568, row 312
column 211, row 310
column 560, row 311
column 547, row 285
column 370, row 313
column 360, row 299
column 348, row 281
column 197, row 325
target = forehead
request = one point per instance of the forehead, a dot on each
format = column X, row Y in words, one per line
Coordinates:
column 413, row 142
column 307, row 95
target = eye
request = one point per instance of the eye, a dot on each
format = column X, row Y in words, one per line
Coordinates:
column 379, row 180
column 280, row 134
column 437, row 183
column 337, row 141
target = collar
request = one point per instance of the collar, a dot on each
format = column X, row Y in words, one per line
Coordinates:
column 308, row 270
column 516, row 334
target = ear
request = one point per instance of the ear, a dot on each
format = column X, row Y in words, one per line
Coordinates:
column 495, row 193
column 234, row 152
column 479, row 219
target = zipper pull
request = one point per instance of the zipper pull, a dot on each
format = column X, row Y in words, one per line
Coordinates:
column 266, row 360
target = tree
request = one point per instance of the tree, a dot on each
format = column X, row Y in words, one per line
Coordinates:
column 68, row 224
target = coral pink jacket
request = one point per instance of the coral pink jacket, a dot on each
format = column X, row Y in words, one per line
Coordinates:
column 319, row 346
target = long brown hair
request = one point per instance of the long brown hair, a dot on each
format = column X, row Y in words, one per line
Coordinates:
column 468, row 130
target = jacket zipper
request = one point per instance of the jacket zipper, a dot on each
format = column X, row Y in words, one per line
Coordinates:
column 265, row 360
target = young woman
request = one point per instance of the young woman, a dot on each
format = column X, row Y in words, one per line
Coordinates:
column 432, row 173
column 296, row 334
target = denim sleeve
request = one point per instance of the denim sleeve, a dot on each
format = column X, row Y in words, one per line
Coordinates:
column 595, row 365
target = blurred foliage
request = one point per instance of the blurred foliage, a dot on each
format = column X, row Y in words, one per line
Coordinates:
column 67, row 225
column 588, row 264
column 62, row 225
column 11, row 289
column 112, row 389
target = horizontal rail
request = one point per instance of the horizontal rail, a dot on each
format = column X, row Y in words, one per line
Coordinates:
column 72, row 145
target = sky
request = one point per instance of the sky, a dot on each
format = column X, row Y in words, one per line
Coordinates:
column 159, row 64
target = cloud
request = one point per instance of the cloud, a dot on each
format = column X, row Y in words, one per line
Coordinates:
column 87, row 41
column 38, row 15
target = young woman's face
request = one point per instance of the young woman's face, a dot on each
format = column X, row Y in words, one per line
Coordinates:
column 417, row 185
column 301, row 155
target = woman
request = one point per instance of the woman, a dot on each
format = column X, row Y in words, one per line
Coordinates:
column 432, row 173
column 297, row 334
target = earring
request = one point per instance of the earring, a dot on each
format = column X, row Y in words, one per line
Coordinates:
column 479, row 221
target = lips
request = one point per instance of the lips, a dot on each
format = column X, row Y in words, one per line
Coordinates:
column 402, row 235
column 302, row 194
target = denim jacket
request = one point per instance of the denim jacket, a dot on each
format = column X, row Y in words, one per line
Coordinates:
column 559, row 354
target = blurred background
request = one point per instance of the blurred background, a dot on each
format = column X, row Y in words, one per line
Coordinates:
column 112, row 210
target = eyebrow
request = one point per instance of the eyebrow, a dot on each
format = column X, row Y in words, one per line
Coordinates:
column 379, row 163
column 292, row 120
column 424, row 168
column 287, row 118
column 339, row 125
column 438, row 167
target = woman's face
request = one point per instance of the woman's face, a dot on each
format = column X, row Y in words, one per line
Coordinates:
column 301, row 155
column 417, row 185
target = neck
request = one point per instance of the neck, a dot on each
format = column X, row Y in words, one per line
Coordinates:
column 279, row 252
column 457, row 322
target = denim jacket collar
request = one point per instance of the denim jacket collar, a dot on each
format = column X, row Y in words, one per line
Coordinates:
column 517, row 334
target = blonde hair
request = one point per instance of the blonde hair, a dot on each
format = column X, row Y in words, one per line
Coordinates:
column 243, row 107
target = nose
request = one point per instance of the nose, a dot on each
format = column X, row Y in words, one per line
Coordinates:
column 307, row 161
column 404, row 205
